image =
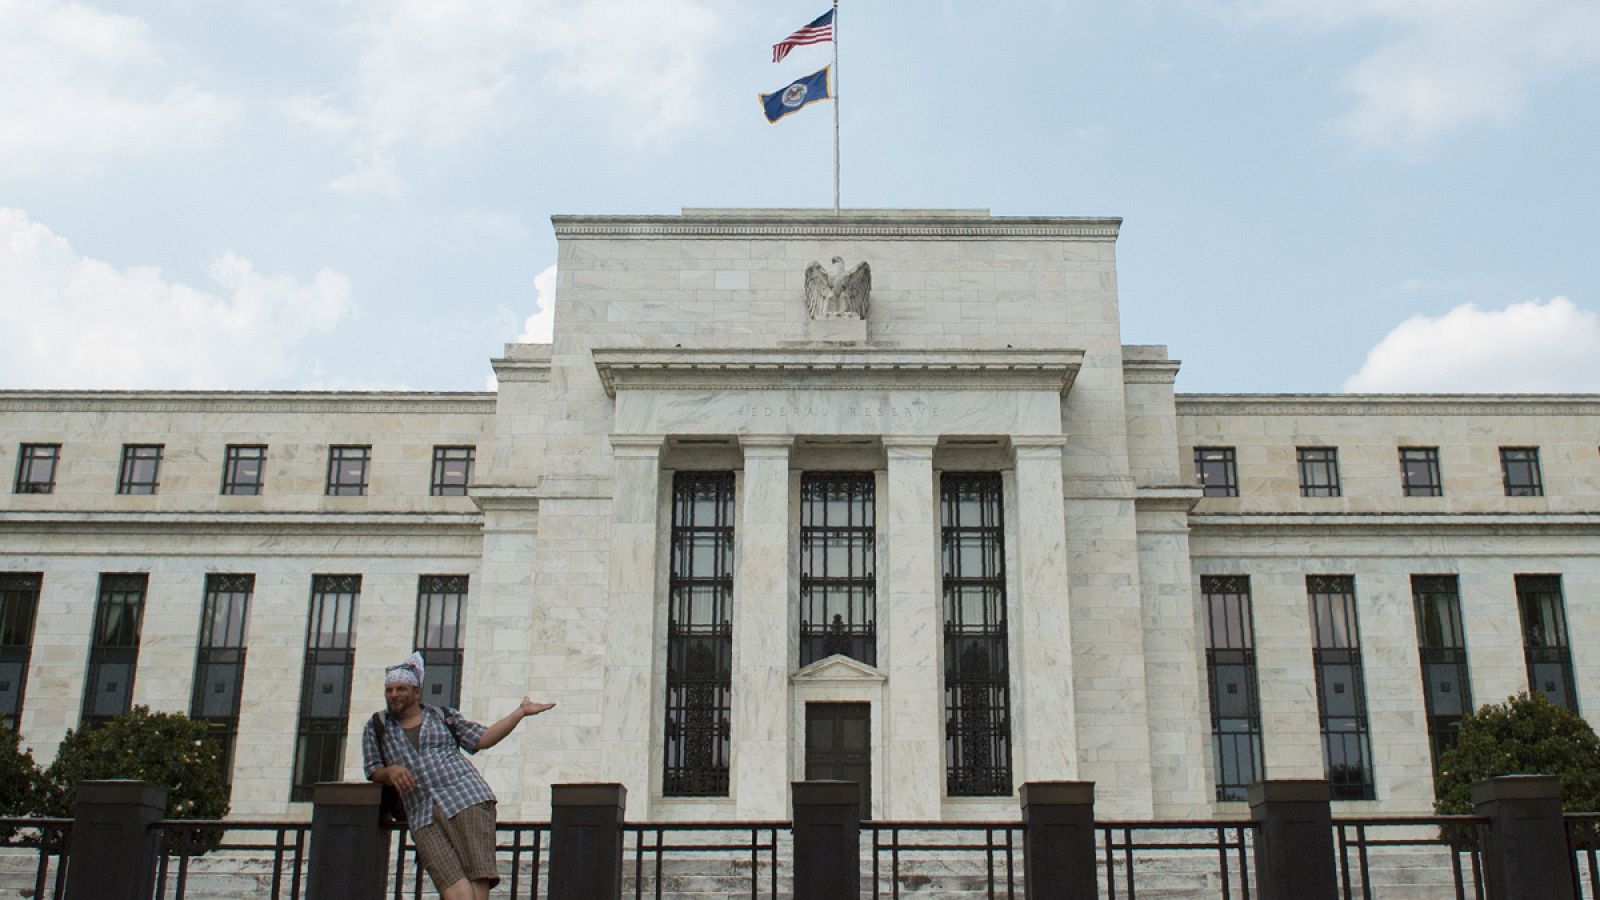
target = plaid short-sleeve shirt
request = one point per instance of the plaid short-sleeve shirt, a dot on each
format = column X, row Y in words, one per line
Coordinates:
column 443, row 775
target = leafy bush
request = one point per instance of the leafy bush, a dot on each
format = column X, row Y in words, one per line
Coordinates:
column 162, row 748
column 1526, row 735
column 19, row 776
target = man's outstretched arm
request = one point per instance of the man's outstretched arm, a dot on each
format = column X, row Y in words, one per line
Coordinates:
column 495, row 733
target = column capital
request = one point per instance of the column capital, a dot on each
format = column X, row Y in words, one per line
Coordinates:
column 637, row 446
column 910, row 446
column 766, row 445
column 1037, row 446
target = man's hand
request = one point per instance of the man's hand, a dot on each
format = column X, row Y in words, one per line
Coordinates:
column 530, row 708
column 397, row 777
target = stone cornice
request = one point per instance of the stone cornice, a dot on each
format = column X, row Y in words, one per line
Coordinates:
column 431, row 402
column 1388, row 404
column 838, row 368
column 234, row 522
column 818, row 224
column 1181, row 498
column 501, row 498
column 1146, row 371
column 1287, row 524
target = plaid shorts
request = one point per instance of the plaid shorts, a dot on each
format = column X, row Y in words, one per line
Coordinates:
column 462, row 847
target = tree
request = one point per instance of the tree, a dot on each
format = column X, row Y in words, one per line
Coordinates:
column 1526, row 735
column 171, row 750
column 19, row 775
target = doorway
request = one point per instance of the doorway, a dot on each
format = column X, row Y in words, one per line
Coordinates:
column 839, row 746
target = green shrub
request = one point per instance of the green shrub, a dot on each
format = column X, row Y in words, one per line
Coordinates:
column 19, row 776
column 162, row 748
column 1526, row 735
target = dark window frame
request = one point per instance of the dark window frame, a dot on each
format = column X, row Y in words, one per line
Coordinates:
column 1528, row 480
column 442, row 483
column 130, row 478
column 114, row 643
column 1236, row 741
column 1225, row 462
column 19, row 617
column 699, row 679
column 330, row 652
column 340, row 455
column 440, row 602
column 1336, row 649
column 220, row 651
column 1422, row 461
column 30, row 457
column 1546, row 643
column 1442, row 650
column 977, row 679
column 234, row 459
column 852, row 631
column 1319, row 471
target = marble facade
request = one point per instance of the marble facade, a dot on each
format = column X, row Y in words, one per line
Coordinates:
column 684, row 342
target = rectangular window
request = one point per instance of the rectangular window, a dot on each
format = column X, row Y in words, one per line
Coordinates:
column 36, row 468
column 1442, row 646
column 1319, row 471
column 838, row 569
column 219, row 661
column 700, row 635
column 1519, row 467
column 452, row 471
column 1419, row 472
column 114, row 648
column 1544, row 639
column 440, row 599
column 347, row 470
column 243, row 468
column 1216, row 472
column 977, row 680
column 1341, row 688
column 325, row 683
column 141, row 469
column 1232, row 684
column 19, row 608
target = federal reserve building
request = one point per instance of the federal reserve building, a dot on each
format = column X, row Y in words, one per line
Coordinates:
column 879, row 496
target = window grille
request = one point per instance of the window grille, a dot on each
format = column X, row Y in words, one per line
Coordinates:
column 219, row 661
column 838, row 569
column 36, row 468
column 699, row 636
column 452, row 471
column 325, row 683
column 1544, row 639
column 1216, row 471
column 1341, row 690
column 1419, row 472
column 141, row 469
column 347, row 470
column 1519, row 469
column 1232, row 684
column 1442, row 646
column 114, row 651
column 1319, row 471
column 19, row 610
column 243, row 468
column 440, row 599
column 977, row 703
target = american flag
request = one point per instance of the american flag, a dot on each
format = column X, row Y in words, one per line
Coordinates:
column 820, row 31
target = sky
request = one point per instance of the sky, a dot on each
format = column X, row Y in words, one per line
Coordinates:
column 1362, row 195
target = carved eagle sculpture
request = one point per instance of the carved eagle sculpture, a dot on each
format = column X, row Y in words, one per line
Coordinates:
column 832, row 293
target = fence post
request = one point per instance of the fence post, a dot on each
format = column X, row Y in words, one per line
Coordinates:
column 1294, row 850
column 349, row 845
column 114, row 849
column 586, row 841
column 1525, row 853
column 1058, row 840
column 827, row 839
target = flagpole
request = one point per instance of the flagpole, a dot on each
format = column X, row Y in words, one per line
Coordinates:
column 836, row 107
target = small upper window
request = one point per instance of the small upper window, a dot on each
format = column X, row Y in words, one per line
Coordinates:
column 1419, row 472
column 1519, row 466
column 347, row 470
column 1319, row 471
column 141, row 469
column 452, row 471
column 1215, row 470
column 36, row 468
column 243, row 468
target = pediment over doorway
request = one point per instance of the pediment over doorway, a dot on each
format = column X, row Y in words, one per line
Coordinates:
column 838, row 668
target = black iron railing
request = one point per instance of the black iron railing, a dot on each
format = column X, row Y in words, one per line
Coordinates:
column 1362, row 872
column 737, row 843
column 910, row 846
column 1132, row 851
column 48, row 842
column 259, row 859
column 1583, row 840
column 522, row 852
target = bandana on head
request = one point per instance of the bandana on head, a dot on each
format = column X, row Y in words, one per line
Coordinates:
column 408, row 672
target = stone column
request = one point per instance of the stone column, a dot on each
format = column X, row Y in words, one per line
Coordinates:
column 626, row 696
column 586, row 841
column 349, row 845
column 827, row 840
column 1040, row 627
column 911, row 619
column 1294, row 853
column 1525, row 850
column 1058, row 840
column 114, row 849
column 761, row 629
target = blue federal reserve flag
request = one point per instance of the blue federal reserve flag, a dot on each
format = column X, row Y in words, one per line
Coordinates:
column 801, row 91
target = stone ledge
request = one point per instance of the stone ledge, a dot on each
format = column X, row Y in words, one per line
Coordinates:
column 850, row 225
column 1387, row 404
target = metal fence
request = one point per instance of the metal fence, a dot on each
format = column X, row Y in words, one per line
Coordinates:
column 1583, row 840
column 736, row 857
column 1380, row 854
column 1157, row 854
column 36, row 851
column 208, row 858
column 929, row 857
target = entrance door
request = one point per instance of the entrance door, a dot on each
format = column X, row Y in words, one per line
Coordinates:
column 838, row 746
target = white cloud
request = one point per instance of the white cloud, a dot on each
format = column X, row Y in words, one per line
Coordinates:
column 83, row 87
column 538, row 327
column 1544, row 347
column 1446, row 65
column 434, row 74
column 69, row 321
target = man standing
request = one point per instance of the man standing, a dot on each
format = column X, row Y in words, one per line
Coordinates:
column 448, row 804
